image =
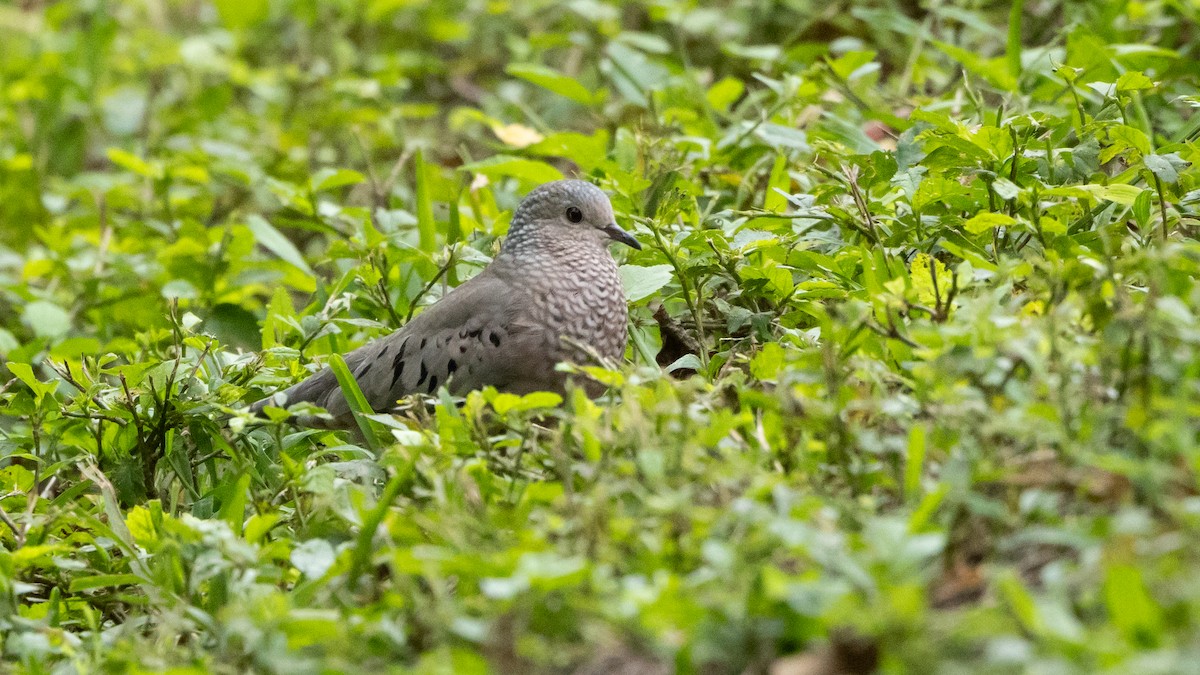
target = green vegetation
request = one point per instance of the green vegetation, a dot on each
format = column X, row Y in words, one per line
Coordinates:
column 914, row 373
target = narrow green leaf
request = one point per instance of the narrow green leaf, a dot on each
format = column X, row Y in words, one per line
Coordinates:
column 330, row 179
column 779, row 185
column 103, row 581
column 233, row 510
column 366, row 535
column 1020, row 601
column 551, row 80
column 915, row 462
column 1013, row 53
column 426, row 227
column 131, row 162
column 274, row 241
column 357, row 402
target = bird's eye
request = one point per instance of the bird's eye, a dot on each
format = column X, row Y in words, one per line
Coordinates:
column 574, row 214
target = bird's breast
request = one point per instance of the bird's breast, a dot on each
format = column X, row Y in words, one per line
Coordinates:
column 578, row 295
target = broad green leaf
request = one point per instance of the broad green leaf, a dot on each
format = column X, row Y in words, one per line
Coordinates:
column 1134, row 81
column 24, row 373
column 529, row 170
column 985, row 222
column 313, row 558
column 642, row 282
column 47, row 318
column 1129, row 604
column 1122, row 194
column 505, row 403
column 724, row 93
column 1165, row 167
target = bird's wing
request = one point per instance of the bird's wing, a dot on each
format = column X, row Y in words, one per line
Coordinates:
column 478, row 334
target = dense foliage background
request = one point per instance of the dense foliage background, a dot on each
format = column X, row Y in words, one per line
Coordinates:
column 914, row 372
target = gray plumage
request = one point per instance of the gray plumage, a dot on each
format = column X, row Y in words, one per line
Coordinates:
column 552, row 288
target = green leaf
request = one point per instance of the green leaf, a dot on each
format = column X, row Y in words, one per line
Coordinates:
column 241, row 13
column 233, row 508
column 1122, row 194
column 275, row 242
column 93, row 582
column 724, row 93
column 24, row 373
column 1141, row 208
column 1129, row 604
column 552, row 80
column 331, row 179
column 1013, row 52
column 46, row 319
column 1165, row 167
column 995, row 71
column 313, row 558
column 1134, row 81
column 915, row 460
column 426, row 227
column 642, row 282
column 1020, row 601
column 355, row 399
column 75, row 347
column 985, row 222
column 528, row 170
column 778, row 186
column 505, row 403
column 768, row 362
column 132, row 162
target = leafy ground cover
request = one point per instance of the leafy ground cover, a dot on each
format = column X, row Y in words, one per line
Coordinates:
column 914, row 369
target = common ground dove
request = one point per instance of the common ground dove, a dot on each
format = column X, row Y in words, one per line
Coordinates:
column 550, row 295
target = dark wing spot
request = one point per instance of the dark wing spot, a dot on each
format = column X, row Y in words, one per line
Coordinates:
column 451, row 367
column 424, row 374
column 494, row 338
column 433, row 384
column 383, row 354
column 365, row 369
column 397, row 368
column 423, row 341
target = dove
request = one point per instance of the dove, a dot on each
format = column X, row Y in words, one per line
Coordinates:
column 552, row 294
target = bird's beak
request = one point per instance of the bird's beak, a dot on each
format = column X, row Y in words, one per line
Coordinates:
column 615, row 233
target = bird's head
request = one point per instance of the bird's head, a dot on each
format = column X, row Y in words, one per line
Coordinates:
column 570, row 209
